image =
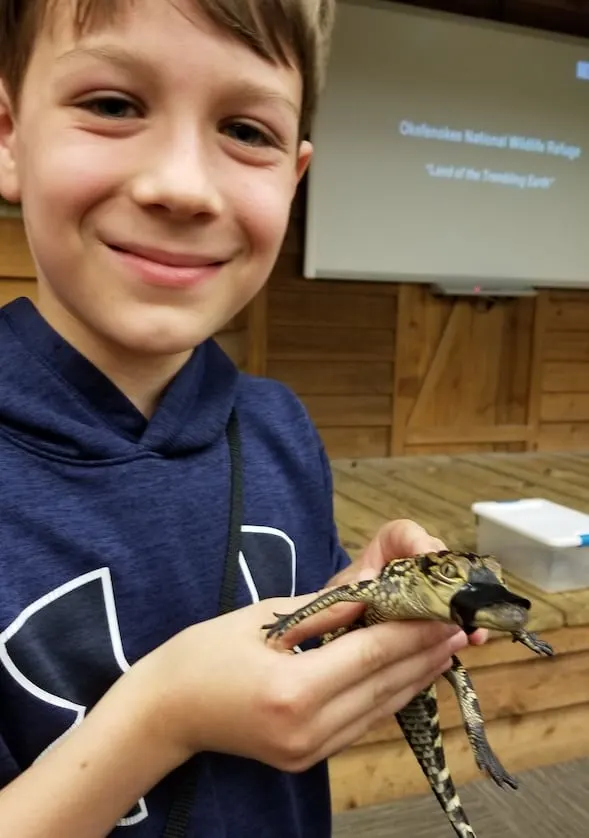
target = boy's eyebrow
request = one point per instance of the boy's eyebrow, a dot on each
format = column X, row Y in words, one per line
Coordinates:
column 115, row 55
column 250, row 92
column 126, row 60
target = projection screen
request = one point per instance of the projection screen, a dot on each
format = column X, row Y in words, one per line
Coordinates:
column 448, row 148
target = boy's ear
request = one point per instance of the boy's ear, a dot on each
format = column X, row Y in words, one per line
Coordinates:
column 303, row 159
column 9, row 185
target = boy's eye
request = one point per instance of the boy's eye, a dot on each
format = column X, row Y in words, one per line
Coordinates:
column 111, row 107
column 248, row 134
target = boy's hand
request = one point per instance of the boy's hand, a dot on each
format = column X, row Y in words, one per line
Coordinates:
column 219, row 686
column 394, row 540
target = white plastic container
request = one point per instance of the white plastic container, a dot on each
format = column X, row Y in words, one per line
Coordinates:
column 539, row 541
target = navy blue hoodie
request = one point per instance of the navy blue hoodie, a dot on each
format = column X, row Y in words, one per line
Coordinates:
column 113, row 534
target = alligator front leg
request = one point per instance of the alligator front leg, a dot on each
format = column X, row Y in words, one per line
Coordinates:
column 355, row 592
column 475, row 726
column 529, row 639
column 420, row 723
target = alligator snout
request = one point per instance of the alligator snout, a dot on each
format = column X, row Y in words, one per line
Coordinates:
column 488, row 604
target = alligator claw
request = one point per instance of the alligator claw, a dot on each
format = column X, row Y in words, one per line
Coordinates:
column 278, row 627
column 529, row 639
column 488, row 762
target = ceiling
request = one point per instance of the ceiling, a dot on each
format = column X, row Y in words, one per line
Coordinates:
column 566, row 16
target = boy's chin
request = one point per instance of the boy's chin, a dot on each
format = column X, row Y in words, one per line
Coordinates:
column 158, row 336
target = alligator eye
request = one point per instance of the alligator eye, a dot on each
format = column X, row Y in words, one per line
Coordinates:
column 449, row 570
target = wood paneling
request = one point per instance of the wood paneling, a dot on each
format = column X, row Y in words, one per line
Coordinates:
column 564, row 400
column 15, row 256
column 359, row 441
column 234, row 343
column 254, row 332
column 334, row 344
column 316, row 306
column 10, row 289
column 563, row 377
column 334, row 377
column 463, row 372
column 309, row 341
column 564, row 436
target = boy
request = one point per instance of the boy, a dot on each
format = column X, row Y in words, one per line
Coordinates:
column 157, row 507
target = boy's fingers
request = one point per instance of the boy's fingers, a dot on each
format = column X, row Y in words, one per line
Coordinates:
column 357, row 727
column 377, row 691
column 354, row 657
column 402, row 537
column 479, row 637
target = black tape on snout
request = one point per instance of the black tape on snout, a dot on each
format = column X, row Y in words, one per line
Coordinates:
column 481, row 594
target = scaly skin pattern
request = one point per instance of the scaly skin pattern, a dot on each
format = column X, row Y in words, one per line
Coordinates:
column 449, row 586
column 420, row 724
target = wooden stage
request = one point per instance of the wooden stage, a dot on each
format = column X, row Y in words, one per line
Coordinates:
column 550, row 802
column 537, row 710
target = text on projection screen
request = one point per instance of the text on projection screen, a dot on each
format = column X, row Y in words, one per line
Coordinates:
column 449, row 148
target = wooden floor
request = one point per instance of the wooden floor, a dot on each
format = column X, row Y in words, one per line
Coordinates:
column 536, row 709
column 550, row 803
column 437, row 491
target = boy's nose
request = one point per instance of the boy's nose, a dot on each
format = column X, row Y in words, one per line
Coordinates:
column 181, row 178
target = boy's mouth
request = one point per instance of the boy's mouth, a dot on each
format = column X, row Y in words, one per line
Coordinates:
column 167, row 268
column 172, row 259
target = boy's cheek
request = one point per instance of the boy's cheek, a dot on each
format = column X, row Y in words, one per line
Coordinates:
column 267, row 207
column 61, row 175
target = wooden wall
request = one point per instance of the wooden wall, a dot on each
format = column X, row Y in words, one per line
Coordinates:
column 390, row 369
column 334, row 344
column 564, row 390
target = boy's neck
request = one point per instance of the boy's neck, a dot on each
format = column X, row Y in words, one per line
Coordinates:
column 142, row 382
column 142, row 378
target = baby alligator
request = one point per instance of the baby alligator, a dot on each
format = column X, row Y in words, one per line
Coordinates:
column 453, row 587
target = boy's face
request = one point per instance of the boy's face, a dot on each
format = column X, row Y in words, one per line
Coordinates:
column 156, row 162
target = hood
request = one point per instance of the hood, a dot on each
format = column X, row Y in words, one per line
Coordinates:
column 52, row 399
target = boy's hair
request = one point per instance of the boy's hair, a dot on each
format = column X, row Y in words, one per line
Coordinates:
column 292, row 32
